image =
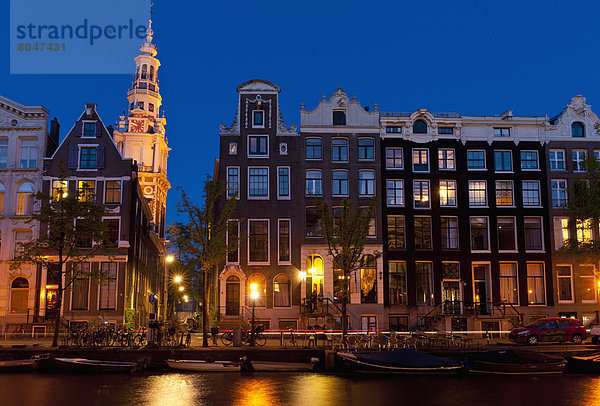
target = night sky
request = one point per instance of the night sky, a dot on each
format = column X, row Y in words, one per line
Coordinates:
column 473, row 57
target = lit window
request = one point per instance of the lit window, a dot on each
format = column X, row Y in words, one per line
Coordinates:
column 561, row 232
column 420, row 160
column 584, row 231
column 25, row 199
column 60, row 188
column 421, row 194
column 86, row 190
column 477, row 193
column 509, row 292
column 536, row 290
column 446, row 159
column 448, row 193
column 113, row 192
column 504, row 193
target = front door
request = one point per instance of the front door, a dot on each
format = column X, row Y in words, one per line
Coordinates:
column 481, row 297
column 232, row 296
column 51, row 304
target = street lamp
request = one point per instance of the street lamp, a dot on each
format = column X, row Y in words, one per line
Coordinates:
column 177, row 279
column 170, row 258
column 181, row 288
column 253, row 296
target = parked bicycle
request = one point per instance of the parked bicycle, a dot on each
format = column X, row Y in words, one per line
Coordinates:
column 246, row 339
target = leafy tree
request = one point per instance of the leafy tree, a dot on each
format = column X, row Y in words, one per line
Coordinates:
column 71, row 232
column 345, row 234
column 201, row 238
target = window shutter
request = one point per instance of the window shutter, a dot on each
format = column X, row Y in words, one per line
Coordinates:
column 73, row 152
column 98, row 129
column 100, row 156
column 78, row 129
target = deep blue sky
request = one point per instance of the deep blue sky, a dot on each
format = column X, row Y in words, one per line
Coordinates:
column 474, row 57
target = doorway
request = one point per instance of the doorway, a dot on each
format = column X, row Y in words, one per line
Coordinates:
column 481, row 288
column 232, row 296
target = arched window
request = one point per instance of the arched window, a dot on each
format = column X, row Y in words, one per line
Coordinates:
column 144, row 71
column 314, row 275
column 281, row 291
column 151, row 72
column 1, row 198
column 25, row 199
column 419, row 127
column 19, row 295
column 368, row 279
column 577, row 130
column 258, row 280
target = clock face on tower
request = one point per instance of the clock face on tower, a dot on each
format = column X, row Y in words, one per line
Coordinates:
column 136, row 126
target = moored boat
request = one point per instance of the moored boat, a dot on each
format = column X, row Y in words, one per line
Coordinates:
column 589, row 363
column 204, row 365
column 515, row 362
column 95, row 366
column 272, row 366
column 402, row 361
column 19, row 365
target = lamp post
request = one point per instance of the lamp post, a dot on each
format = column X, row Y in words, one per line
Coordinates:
column 253, row 296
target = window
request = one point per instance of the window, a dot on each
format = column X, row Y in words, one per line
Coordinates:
column 60, row 188
column 557, row 159
column 445, row 130
column 233, row 182
column 534, row 240
column 531, row 193
column 393, row 130
column 449, row 229
column 258, row 241
column 86, row 190
column 281, row 291
column 529, row 160
column 421, row 194
column 259, row 281
column 258, row 182
column 366, row 183
column 89, row 130
column 446, row 159
column 368, row 280
column 29, row 154
column 339, row 183
column 419, row 127
column 395, row 192
column 151, row 105
column 283, row 182
column 313, row 183
column 475, row 160
column 258, row 119
column 504, row 193
column 314, row 148
column 509, row 291
column 232, row 240
column 339, row 117
column 395, row 232
column 448, row 193
column 21, row 237
column 503, row 161
column 422, row 232
column 25, row 199
column 424, row 274
column 398, row 323
column 19, row 295
column 584, row 231
column 501, row 132
column 397, row 283
column 284, row 240
column 480, row 240
column 87, row 158
column 108, row 286
column 258, row 145
column 113, row 192
column 507, row 237
column 371, row 232
column 587, row 284
column 578, row 157
column 339, row 150
column 565, row 283
column 577, row 130
column 561, row 232
column 477, row 193
column 394, row 158
column 536, row 292
column 3, row 153
column 112, row 232
column 420, row 160
column 313, row 222
column 559, row 193
column 366, row 149
column 80, row 287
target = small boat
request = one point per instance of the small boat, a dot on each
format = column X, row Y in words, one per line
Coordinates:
column 205, row 365
column 20, row 365
column 515, row 362
column 269, row 366
column 95, row 366
column 589, row 363
column 401, row 361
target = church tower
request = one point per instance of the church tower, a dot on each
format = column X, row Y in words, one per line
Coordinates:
column 140, row 133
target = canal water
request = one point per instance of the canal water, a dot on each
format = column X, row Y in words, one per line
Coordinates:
column 265, row 389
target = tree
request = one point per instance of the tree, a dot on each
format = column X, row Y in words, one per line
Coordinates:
column 71, row 232
column 202, row 238
column 345, row 234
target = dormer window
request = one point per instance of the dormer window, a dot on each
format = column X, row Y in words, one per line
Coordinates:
column 339, row 117
column 258, row 119
column 577, row 130
column 89, row 130
column 419, row 127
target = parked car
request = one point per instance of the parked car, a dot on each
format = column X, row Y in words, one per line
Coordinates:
column 550, row 329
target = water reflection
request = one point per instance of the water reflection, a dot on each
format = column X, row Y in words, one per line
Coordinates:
column 259, row 391
column 172, row 389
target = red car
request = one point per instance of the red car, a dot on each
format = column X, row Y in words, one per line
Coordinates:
column 549, row 330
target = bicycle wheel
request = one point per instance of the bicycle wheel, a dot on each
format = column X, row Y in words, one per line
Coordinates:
column 188, row 340
column 227, row 338
column 260, row 339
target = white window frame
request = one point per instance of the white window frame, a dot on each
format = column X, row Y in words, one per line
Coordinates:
column 116, row 288
column 512, row 191
column 457, row 234
column 445, row 160
column 428, row 194
column 578, row 160
column 544, row 281
column 115, row 218
column 96, row 182
column 471, row 236
column 486, row 203
column 563, row 160
column 501, row 130
column 289, row 176
column 484, row 160
column 455, row 192
column 512, row 161
column 514, row 219
column 83, row 123
column 268, row 242
column 347, row 182
column 570, row 277
column 403, row 194
column 279, row 220
column 347, row 149
column 594, row 284
column 268, row 184
column 81, row 146
column 539, row 192
column 248, row 154
column 89, row 289
column 359, row 147
column 516, row 264
column 565, row 189
column 263, row 118
column 557, row 232
column 428, row 159
column 543, row 249
column 537, row 160
column 374, row 182
column 104, row 189
column 227, row 242
column 394, row 168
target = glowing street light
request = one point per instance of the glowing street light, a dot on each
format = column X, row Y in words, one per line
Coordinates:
column 181, row 288
column 170, row 258
column 253, row 296
column 177, row 279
